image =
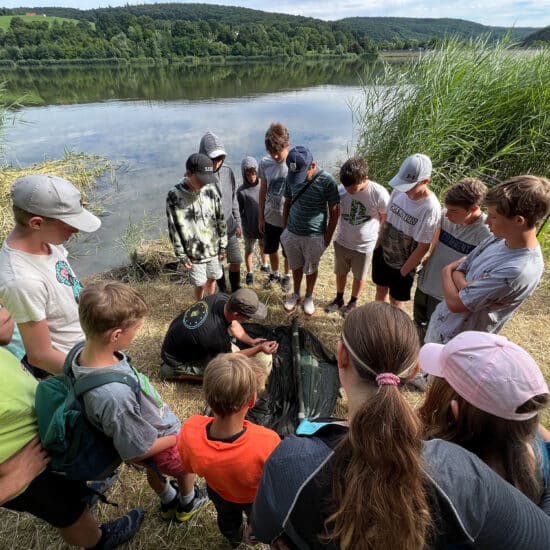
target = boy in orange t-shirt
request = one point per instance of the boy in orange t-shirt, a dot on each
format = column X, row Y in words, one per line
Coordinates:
column 228, row 451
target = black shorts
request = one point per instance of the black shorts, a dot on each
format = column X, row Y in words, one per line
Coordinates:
column 55, row 499
column 272, row 239
column 384, row 275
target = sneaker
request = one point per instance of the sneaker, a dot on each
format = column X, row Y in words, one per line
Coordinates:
column 271, row 280
column 200, row 500
column 168, row 510
column 346, row 310
column 285, row 283
column 291, row 302
column 309, row 306
column 264, row 268
column 120, row 530
column 249, row 279
column 334, row 306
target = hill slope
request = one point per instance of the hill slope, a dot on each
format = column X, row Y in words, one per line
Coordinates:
column 542, row 35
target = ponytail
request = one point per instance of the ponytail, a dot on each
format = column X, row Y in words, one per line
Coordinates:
column 378, row 481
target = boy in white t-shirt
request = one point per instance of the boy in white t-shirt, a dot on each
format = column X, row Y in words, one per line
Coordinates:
column 413, row 217
column 462, row 228
column 363, row 207
column 37, row 284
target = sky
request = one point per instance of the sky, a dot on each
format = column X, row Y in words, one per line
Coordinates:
column 520, row 13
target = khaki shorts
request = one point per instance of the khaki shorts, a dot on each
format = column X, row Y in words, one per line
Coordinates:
column 346, row 259
column 303, row 251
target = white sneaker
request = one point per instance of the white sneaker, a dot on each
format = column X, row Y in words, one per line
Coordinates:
column 309, row 306
column 291, row 302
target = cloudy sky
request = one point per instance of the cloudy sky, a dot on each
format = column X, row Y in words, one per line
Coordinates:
column 521, row 13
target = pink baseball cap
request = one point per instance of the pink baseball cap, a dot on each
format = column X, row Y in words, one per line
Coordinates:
column 487, row 370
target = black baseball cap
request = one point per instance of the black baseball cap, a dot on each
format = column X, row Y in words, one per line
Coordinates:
column 202, row 167
column 246, row 302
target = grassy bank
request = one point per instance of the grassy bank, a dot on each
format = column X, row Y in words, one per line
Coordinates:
column 475, row 109
column 81, row 169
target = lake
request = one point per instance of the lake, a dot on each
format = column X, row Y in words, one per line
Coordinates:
column 152, row 118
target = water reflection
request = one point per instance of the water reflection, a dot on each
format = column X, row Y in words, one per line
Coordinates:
column 155, row 118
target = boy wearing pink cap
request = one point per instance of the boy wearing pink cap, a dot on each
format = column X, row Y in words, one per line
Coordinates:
column 482, row 291
column 486, row 397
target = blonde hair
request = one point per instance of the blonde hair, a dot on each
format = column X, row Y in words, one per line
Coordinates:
column 230, row 381
column 106, row 305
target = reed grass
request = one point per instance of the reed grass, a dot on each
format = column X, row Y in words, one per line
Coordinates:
column 477, row 109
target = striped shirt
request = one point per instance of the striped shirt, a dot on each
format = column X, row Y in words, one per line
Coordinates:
column 308, row 215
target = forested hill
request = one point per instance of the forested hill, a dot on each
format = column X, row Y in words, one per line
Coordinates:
column 541, row 37
column 386, row 31
column 172, row 32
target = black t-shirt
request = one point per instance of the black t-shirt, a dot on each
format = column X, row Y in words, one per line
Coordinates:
column 200, row 332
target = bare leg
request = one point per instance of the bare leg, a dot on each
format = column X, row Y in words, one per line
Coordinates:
column 83, row 532
column 341, row 283
column 155, row 482
column 199, row 292
column 274, row 261
column 297, row 276
column 186, row 483
column 234, row 268
column 209, row 287
column 397, row 303
column 357, row 287
column 311, row 279
column 382, row 293
column 287, row 268
column 263, row 256
column 249, row 262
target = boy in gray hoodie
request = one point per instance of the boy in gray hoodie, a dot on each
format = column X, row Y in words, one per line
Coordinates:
column 248, row 196
column 211, row 146
column 196, row 224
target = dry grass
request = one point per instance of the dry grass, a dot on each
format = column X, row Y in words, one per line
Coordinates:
column 166, row 296
column 81, row 169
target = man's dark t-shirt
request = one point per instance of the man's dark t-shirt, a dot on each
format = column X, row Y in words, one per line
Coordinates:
column 199, row 333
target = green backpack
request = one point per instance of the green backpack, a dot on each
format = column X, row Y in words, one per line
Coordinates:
column 77, row 448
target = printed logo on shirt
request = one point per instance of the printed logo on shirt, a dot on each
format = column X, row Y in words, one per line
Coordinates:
column 456, row 244
column 196, row 315
column 400, row 213
column 357, row 213
column 65, row 276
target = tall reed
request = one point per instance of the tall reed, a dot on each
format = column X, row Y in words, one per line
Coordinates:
column 476, row 109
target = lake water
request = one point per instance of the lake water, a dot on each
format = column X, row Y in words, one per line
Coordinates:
column 152, row 119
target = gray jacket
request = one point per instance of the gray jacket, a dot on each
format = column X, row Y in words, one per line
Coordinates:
column 211, row 143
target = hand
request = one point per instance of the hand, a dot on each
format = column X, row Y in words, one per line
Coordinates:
column 279, row 544
column 261, row 226
column 256, row 341
column 24, row 465
column 327, row 240
column 270, row 347
column 452, row 266
column 221, row 256
column 403, row 274
column 239, row 232
column 185, row 266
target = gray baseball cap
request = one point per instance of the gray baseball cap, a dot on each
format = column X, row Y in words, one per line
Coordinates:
column 53, row 197
column 413, row 170
column 246, row 302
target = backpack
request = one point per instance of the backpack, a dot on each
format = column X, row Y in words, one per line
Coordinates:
column 78, row 449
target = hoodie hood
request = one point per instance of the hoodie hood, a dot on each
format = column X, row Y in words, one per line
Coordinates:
column 211, row 145
column 246, row 163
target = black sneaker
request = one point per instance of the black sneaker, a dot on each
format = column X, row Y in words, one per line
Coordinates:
column 285, row 283
column 271, row 280
column 120, row 530
column 249, row 279
column 264, row 269
column 187, row 511
column 334, row 306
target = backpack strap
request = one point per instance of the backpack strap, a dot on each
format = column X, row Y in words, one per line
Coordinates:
column 305, row 188
column 91, row 381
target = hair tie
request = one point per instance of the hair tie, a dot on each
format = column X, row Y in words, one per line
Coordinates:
column 388, row 379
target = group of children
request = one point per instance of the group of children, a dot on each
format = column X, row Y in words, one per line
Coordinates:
column 283, row 199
